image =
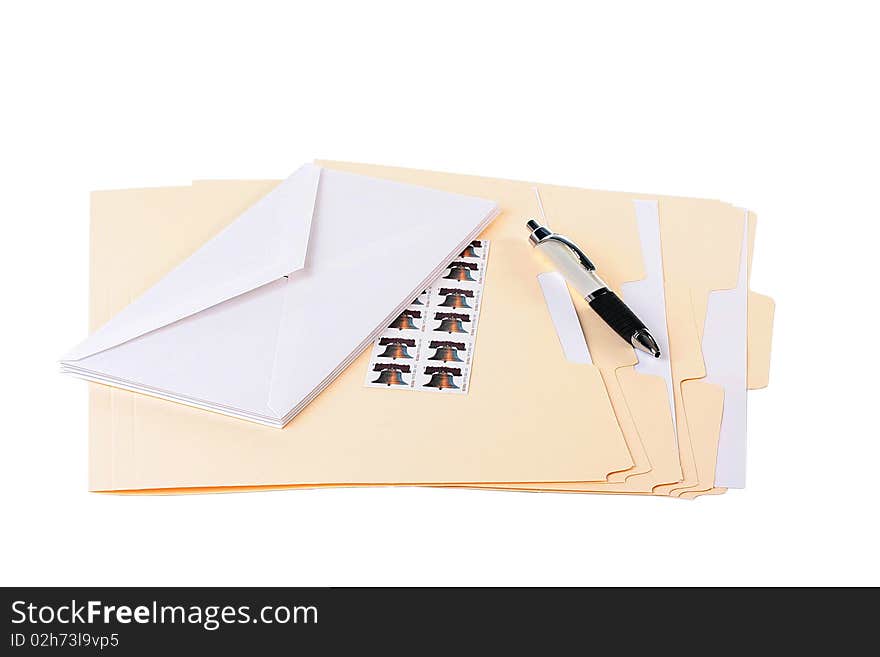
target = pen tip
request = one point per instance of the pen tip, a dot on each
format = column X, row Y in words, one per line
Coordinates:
column 645, row 342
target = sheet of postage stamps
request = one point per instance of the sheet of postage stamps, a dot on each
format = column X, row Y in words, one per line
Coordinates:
column 430, row 346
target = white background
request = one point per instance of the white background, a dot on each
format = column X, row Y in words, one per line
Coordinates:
column 770, row 105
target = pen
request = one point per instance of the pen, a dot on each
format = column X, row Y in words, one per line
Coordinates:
column 580, row 272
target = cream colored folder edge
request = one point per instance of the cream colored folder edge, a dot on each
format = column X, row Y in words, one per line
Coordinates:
column 264, row 459
column 753, row 360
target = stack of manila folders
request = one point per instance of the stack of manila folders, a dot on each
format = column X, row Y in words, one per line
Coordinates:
column 363, row 325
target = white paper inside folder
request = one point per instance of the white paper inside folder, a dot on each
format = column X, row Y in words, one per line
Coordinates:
column 233, row 328
column 564, row 318
column 725, row 345
column 648, row 298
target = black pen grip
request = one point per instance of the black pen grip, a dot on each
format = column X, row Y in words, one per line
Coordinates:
column 610, row 308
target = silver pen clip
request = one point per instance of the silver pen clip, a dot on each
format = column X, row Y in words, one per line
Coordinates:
column 542, row 234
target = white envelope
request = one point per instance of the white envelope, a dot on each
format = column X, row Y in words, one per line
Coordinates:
column 267, row 313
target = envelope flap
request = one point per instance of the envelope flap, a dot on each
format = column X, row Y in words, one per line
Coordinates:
column 269, row 240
